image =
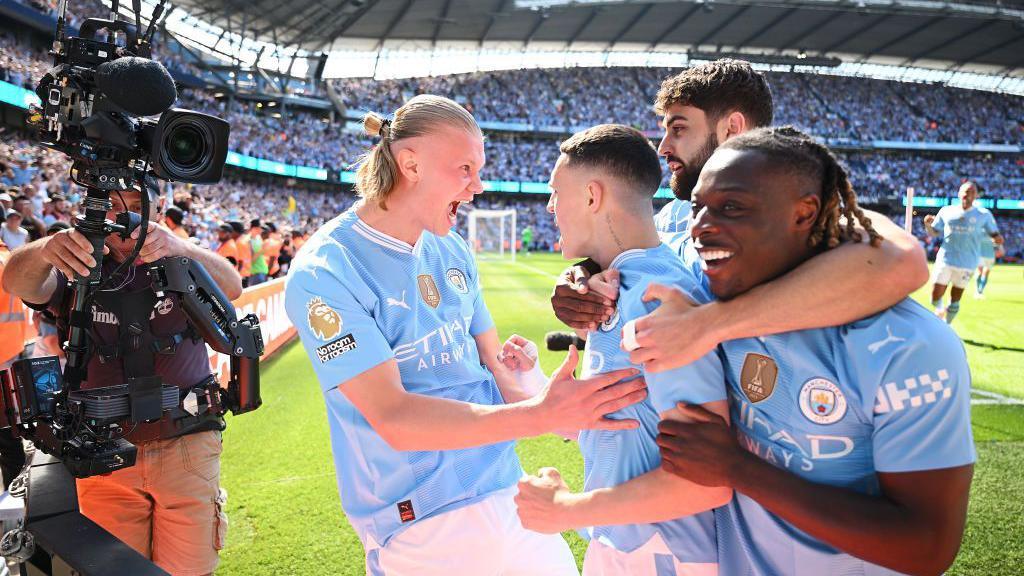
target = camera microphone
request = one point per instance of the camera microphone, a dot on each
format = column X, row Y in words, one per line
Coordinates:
column 139, row 86
column 560, row 341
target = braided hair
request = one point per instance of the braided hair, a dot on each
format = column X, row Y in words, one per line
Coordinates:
column 798, row 153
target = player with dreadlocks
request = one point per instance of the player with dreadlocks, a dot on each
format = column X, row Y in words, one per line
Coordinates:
column 851, row 448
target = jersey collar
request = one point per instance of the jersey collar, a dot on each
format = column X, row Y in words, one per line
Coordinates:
column 382, row 239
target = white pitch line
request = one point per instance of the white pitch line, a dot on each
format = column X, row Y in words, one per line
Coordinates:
column 988, row 398
column 536, row 270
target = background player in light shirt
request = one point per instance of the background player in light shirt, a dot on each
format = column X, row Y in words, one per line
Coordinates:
column 387, row 302
column 962, row 226
column 850, row 449
column 699, row 108
column 632, row 512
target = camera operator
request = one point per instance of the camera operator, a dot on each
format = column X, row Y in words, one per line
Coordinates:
column 169, row 506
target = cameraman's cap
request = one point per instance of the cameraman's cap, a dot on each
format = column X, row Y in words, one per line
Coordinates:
column 225, row 227
column 152, row 187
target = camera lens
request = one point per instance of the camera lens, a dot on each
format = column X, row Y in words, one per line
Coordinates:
column 186, row 146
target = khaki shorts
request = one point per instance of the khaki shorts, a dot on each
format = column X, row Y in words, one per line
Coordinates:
column 169, row 506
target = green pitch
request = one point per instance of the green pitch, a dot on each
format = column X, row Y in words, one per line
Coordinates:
column 283, row 502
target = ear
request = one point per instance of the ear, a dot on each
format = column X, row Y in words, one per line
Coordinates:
column 806, row 211
column 733, row 124
column 408, row 164
column 595, row 195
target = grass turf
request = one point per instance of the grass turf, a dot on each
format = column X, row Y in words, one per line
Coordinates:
column 283, row 501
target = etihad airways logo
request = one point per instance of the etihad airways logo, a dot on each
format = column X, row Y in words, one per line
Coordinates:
column 445, row 345
column 783, row 448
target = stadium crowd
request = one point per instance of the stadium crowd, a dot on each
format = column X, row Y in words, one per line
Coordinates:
column 830, row 106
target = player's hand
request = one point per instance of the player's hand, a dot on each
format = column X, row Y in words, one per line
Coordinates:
column 542, row 501
column 579, row 307
column 928, row 219
column 675, row 334
column 161, row 242
column 566, row 403
column 518, row 354
column 699, row 446
column 70, row 252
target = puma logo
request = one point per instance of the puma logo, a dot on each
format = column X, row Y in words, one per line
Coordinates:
column 392, row 302
column 876, row 346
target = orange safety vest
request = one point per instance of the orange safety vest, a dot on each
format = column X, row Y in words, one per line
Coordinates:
column 12, row 319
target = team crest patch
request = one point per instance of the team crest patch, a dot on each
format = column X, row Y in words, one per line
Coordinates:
column 324, row 321
column 428, row 290
column 758, row 376
column 164, row 306
column 822, row 402
column 457, row 279
column 610, row 323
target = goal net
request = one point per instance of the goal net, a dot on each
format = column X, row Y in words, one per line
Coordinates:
column 492, row 234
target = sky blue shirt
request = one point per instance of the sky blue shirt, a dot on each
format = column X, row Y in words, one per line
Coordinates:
column 613, row 457
column 986, row 249
column 961, row 230
column 890, row 393
column 359, row 298
column 674, row 216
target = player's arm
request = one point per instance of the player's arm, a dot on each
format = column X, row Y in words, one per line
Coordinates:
column 515, row 380
column 409, row 421
column 546, row 504
column 914, row 526
column 836, row 287
column 933, row 224
column 923, row 453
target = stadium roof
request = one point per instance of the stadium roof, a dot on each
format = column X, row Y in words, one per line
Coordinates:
column 969, row 35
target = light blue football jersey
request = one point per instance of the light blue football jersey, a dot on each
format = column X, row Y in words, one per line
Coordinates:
column 890, row 393
column 986, row 249
column 674, row 216
column 359, row 298
column 613, row 457
column 960, row 231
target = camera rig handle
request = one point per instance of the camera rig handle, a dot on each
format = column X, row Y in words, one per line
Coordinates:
column 208, row 308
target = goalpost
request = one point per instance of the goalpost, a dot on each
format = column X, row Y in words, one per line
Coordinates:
column 492, row 234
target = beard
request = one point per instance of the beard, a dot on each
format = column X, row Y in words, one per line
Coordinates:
column 682, row 185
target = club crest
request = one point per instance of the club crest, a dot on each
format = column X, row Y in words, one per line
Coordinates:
column 324, row 321
column 758, row 376
column 428, row 290
column 822, row 402
column 457, row 279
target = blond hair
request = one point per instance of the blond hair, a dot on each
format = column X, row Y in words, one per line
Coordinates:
column 425, row 114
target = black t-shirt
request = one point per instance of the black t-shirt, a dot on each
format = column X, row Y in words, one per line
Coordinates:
column 188, row 366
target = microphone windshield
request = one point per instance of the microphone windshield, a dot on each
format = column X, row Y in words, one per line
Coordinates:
column 560, row 341
column 139, row 86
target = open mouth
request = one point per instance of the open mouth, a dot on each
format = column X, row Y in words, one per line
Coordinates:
column 712, row 259
column 453, row 210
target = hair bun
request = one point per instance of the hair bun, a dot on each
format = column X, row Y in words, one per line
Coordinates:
column 372, row 123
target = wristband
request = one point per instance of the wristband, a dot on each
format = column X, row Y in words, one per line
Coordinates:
column 532, row 382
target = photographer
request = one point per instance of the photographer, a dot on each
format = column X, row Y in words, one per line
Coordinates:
column 169, row 506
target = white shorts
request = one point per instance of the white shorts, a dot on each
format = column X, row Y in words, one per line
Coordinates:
column 652, row 559
column 988, row 262
column 958, row 277
column 482, row 539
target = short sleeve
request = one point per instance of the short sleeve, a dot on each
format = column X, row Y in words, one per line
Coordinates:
column 341, row 338
column 57, row 299
column 922, row 411
column 990, row 224
column 699, row 382
column 939, row 224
